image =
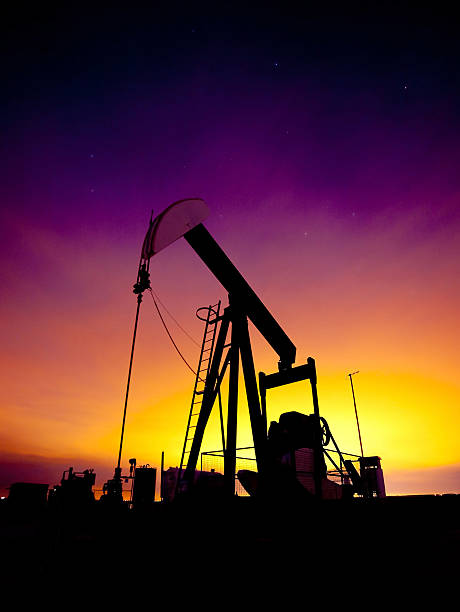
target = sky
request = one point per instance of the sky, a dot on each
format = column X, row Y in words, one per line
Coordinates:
column 325, row 143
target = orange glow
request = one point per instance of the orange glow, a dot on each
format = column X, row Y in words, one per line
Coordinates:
column 64, row 373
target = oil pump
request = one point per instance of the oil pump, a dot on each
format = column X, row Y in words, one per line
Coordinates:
column 233, row 349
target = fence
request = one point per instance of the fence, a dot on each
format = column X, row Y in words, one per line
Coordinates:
column 245, row 460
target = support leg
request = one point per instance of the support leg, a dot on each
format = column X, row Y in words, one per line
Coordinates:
column 252, row 393
column 232, row 416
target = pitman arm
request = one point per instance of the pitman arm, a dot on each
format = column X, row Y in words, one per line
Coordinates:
column 248, row 302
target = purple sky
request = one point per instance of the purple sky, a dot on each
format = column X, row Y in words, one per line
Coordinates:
column 327, row 149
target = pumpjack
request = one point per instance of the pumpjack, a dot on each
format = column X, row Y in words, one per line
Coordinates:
column 297, row 441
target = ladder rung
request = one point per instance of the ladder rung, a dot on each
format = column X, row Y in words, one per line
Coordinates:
column 195, row 414
column 225, row 345
column 199, row 392
column 191, row 427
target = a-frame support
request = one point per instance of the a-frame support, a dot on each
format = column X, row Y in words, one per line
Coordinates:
column 239, row 349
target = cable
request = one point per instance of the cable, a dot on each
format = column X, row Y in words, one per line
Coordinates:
column 175, row 320
column 170, row 337
column 139, row 300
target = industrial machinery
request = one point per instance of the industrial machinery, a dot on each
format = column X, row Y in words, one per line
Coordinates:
column 27, row 496
column 75, row 490
column 143, row 482
column 204, row 483
column 297, row 440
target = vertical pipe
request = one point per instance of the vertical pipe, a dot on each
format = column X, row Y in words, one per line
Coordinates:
column 221, row 416
column 263, row 400
column 318, row 450
column 232, row 414
column 252, row 394
column 356, row 411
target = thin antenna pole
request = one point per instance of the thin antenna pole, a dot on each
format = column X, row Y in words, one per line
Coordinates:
column 356, row 411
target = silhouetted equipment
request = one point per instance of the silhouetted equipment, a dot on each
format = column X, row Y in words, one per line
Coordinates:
column 355, row 477
column 184, row 218
column 293, row 454
column 112, row 490
column 75, row 489
column 144, row 486
column 143, row 482
column 373, row 484
column 291, row 459
column 27, row 496
column 205, row 483
column 290, row 456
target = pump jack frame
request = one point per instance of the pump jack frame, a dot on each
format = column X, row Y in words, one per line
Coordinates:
column 240, row 350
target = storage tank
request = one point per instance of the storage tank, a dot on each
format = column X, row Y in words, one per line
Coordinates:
column 144, row 486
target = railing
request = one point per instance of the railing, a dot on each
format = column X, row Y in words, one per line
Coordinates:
column 212, row 459
column 340, row 471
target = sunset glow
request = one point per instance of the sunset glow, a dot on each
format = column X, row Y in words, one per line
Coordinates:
column 335, row 193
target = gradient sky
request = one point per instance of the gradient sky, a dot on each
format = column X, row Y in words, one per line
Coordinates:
column 326, row 146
